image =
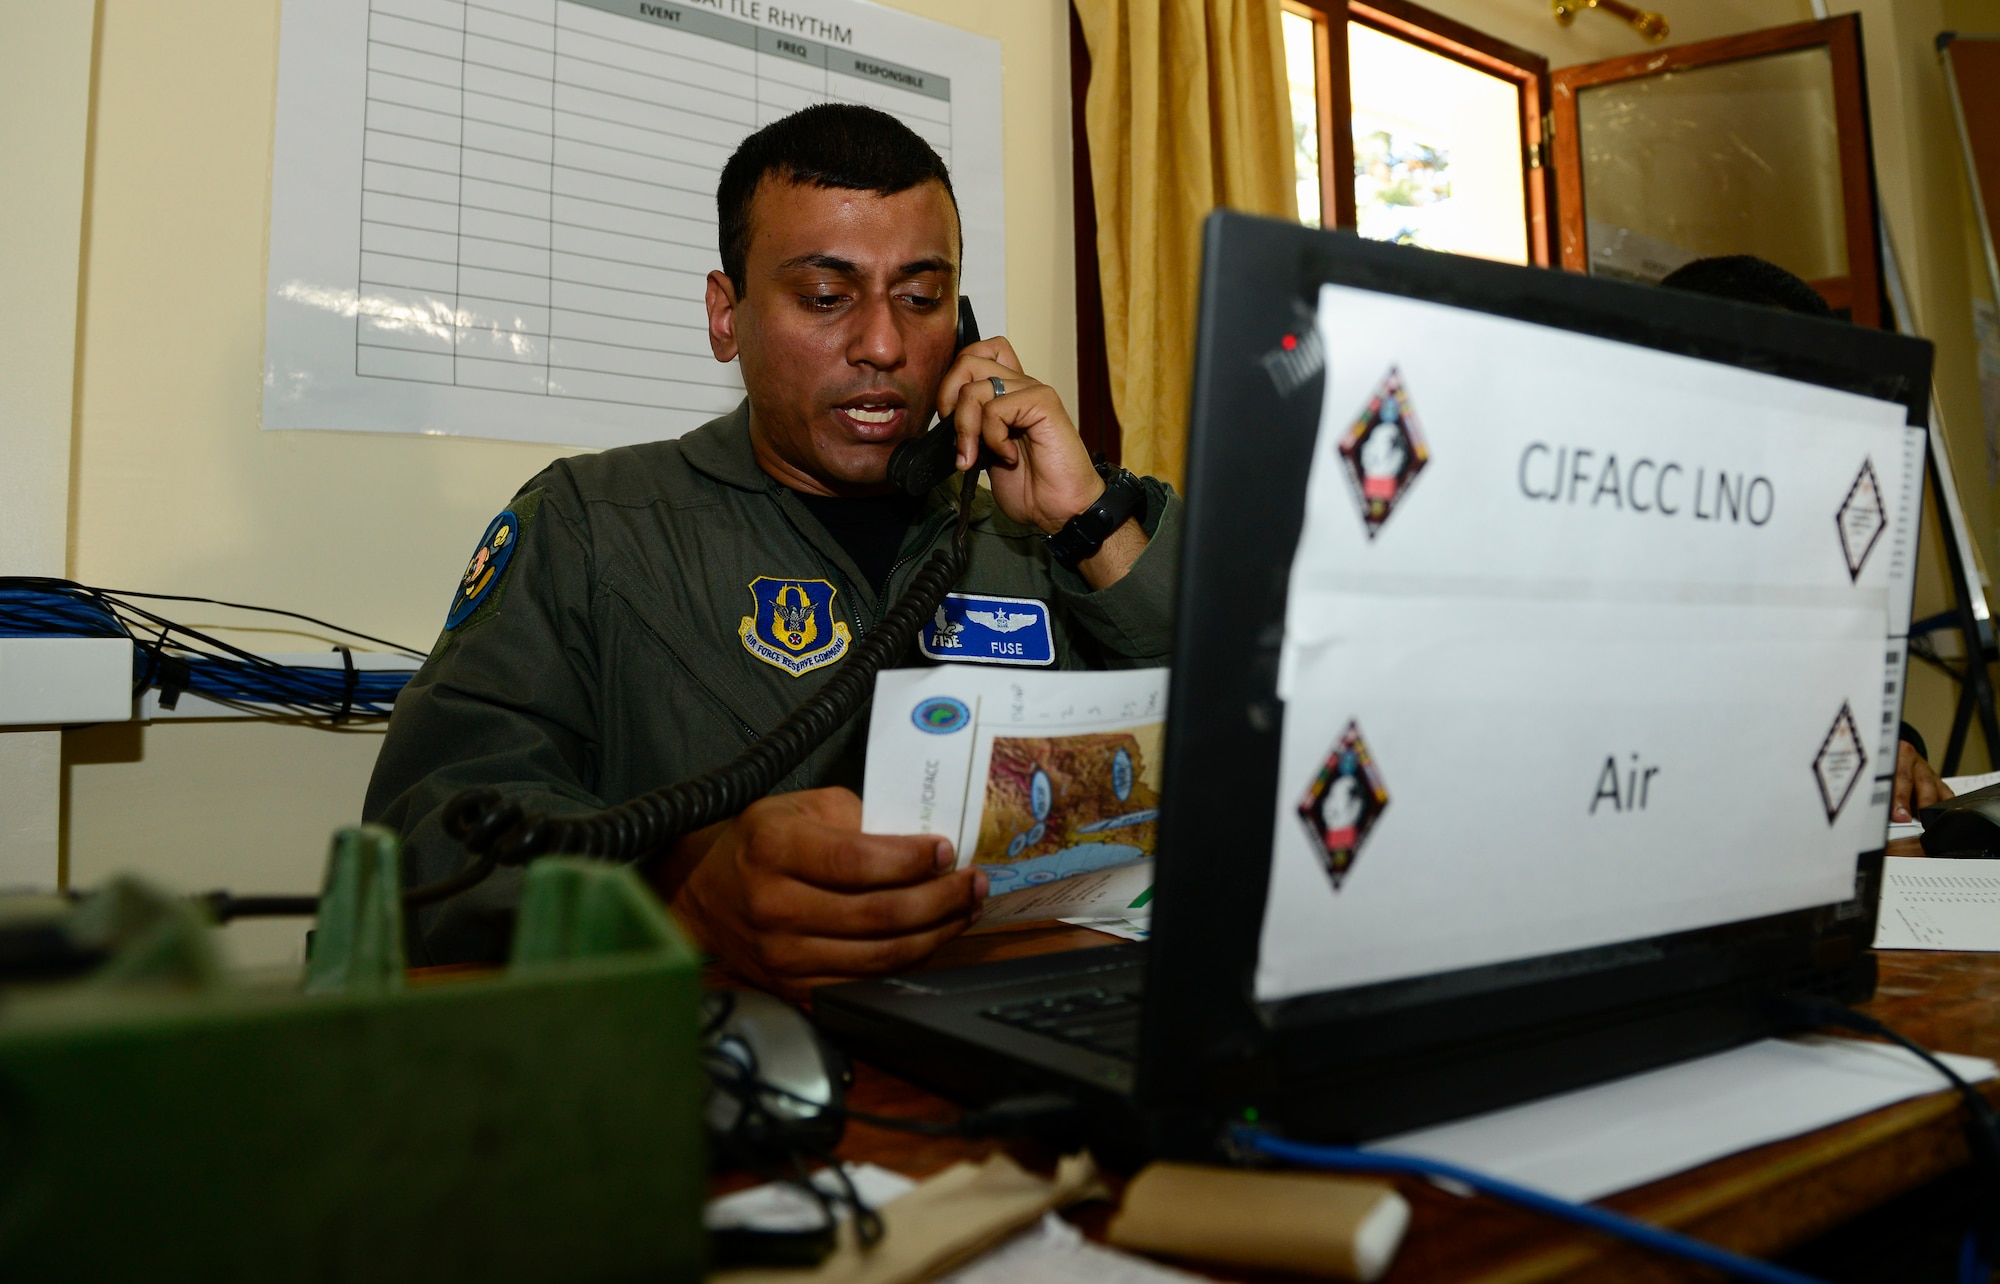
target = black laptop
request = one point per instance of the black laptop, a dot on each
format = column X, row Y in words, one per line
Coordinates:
column 1168, row 1042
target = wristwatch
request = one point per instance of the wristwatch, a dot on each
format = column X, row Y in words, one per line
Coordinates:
column 1084, row 534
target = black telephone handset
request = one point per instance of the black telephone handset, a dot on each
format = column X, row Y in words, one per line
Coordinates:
column 644, row 830
column 918, row 465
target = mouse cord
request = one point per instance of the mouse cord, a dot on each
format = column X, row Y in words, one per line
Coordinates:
column 644, row 830
column 1048, row 1116
column 1982, row 1124
column 759, row 1135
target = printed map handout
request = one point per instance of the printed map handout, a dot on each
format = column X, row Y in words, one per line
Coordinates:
column 1035, row 777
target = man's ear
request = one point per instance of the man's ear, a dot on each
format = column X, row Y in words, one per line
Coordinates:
column 720, row 298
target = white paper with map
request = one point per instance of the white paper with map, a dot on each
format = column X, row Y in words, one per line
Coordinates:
column 1035, row 777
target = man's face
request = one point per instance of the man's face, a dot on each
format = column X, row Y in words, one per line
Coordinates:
column 844, row 328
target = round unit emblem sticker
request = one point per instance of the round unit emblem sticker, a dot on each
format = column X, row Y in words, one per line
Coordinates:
column 941, row 715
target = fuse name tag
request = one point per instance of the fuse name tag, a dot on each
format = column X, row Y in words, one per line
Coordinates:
column 972, row 628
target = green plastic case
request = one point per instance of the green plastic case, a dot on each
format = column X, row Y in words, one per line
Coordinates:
column 161, row 1119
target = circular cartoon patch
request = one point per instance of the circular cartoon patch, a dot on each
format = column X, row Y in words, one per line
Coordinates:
column 482, row 573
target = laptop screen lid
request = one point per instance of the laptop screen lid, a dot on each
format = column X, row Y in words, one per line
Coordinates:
column 1541, row 659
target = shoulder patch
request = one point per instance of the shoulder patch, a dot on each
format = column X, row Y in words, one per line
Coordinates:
column 480, row 587
column 791, row 625
column 976, row 628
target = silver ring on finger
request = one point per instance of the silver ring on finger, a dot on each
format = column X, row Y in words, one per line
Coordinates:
column 999, row 385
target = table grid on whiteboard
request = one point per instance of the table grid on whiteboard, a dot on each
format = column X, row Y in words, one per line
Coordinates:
column 538, row 186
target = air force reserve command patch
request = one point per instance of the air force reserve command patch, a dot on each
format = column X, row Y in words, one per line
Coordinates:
column 483, row 572
column 975, row 629
column 793, row 626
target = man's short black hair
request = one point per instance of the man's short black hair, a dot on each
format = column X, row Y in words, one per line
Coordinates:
column 826, row 145
column 1748, row 279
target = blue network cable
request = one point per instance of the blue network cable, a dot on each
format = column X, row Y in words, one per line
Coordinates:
column 1603, row 1220
column 176, row 658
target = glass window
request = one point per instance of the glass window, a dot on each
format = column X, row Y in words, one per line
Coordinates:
column 1299, row 32
column 1736, row 157
column 1437, row 150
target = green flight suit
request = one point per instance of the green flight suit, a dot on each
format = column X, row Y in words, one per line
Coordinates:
column 608, row 656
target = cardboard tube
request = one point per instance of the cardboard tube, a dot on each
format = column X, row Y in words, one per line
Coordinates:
column 1338, row 1227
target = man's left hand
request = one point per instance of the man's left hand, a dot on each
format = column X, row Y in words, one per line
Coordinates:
column 1917, row 786
column 1045, row 476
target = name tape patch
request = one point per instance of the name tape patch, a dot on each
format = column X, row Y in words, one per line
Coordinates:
column 973, row 628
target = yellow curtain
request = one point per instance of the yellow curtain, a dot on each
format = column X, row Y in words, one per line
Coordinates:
column 1188, row 109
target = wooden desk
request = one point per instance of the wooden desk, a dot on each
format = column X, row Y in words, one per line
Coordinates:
column 1762, row 1202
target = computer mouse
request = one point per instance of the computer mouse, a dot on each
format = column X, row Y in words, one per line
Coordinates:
column 1968, row 825
column 775, row 1086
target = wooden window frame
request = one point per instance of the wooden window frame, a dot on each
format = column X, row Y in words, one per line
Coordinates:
column 1096, row 415
column 1860, row 292
column 1528, row 71
column 1332, row 97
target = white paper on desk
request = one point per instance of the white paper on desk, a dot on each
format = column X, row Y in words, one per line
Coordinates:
column 1595, row 1142
column 1966, row 784
column 1582, row 706
column 781, row 1206
column 1939, row 904
column 1034, row 776
column 1137, row 927
column 1118, row 893
column 1957, row 785
column 1054, row 1252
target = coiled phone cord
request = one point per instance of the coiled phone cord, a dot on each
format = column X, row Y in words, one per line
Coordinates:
column 642, row 831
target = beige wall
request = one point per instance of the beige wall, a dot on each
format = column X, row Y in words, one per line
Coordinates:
column 178, row 491
column 45, row 101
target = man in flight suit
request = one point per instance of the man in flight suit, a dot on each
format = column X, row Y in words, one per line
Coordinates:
column 644, row 614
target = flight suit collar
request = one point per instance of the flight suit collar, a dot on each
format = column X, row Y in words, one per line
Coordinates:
column 721, row 449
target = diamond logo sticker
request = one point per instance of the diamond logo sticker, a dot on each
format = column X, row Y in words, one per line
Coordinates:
column 1839, row 762
column 1384, row 451
column 1344, row 802
column 1861, row 519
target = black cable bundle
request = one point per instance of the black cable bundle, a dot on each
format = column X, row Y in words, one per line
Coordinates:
column 643, row 830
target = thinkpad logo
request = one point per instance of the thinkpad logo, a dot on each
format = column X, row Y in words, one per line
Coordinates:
column 1300, row 354
column 1384, row 451
column 1861, row 519
column 1343, row 803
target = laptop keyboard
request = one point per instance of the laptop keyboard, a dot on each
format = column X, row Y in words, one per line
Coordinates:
column 1101, row 1020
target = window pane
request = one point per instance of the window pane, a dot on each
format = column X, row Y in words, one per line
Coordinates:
column 1437, row 150
column 1734, row 158
column 1305, row 113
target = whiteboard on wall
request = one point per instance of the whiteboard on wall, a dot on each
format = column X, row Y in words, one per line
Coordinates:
column 494, row 218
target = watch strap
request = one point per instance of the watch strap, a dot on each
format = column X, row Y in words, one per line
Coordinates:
column 1084, row 534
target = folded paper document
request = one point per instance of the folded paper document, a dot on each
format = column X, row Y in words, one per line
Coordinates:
column 1037, row 778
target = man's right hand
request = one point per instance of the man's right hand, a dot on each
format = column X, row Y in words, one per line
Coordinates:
column 791, row 894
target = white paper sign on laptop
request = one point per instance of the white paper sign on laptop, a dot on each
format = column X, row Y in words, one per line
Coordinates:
column 1585, row 643
column 1034, row 776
